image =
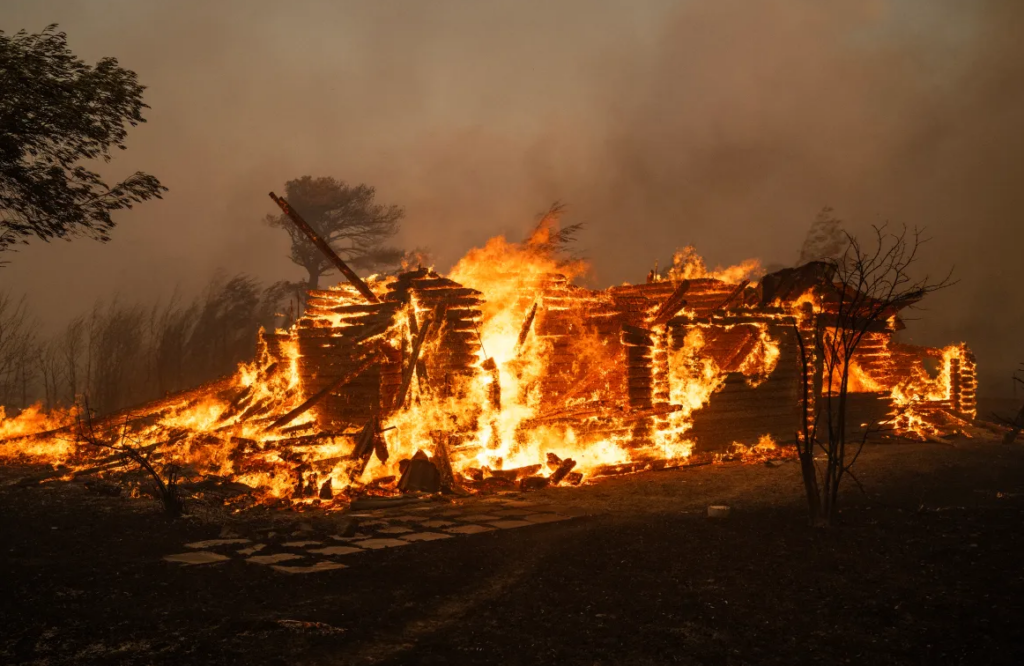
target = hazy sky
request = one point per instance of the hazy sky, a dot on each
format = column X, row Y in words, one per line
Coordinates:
column 725, row 124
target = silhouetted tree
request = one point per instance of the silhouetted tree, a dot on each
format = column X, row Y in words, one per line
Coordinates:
column 56, row 113
column 863, row 287
column 18, row 349
column 347, row 217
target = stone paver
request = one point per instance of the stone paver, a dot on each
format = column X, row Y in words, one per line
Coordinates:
column 355, row 537
column 197, row 557
column 274, row 559
column 336, row 550
column 212, row 543
column 381, row 543
column 509, row 524
column 546, row 518
column 315, row 568
column 426, row 536
column 512, row 512
column 384, row 528
column 479, row 518
column 468, row 529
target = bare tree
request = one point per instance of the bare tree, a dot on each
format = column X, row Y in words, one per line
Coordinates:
column 51, row 368
column 1015, row 424
column 119, row 441
column 121, row 354
column 17, row 351
column 71, row 343
column 863, row 290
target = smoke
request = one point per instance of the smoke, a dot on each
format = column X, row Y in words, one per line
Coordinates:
column 725, row 124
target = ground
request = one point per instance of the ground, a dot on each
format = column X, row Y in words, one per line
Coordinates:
column 924, row 568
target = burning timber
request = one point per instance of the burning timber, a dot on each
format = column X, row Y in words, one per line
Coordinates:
column 506, row 374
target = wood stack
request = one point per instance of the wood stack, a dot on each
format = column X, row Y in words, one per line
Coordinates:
column 454, row 342
column 739, row 412
column 334, row 336
column 638, row 344
column 568, row 320
column 964, row 383
column 874, row 357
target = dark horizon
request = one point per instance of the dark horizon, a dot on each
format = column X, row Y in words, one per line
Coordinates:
column 721, row 125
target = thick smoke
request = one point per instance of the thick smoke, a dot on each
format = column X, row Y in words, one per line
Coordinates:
column 725, row 124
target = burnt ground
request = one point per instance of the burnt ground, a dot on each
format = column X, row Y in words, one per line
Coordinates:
column 925, row 568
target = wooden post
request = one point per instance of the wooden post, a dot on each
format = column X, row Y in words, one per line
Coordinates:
column 524, row 330
column 417, row 345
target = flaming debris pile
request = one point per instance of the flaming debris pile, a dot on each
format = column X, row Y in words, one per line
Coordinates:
column 504, row 374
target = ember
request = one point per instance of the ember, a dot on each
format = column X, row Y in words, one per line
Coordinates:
column 504, row 373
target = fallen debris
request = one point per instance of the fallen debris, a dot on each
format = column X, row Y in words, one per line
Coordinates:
column 420, row 474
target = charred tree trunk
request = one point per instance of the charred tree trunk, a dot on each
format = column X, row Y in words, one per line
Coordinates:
column 313, row 281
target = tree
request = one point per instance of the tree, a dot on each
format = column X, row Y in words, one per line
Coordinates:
column 1015, row 424
column 57, row 112
column 825, row 239
column 18, row 345
column 347, row 218
column 859, row 291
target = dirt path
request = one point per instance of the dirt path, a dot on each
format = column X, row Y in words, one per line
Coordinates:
column 925, row 569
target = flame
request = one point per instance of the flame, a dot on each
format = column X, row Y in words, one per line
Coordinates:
column 765, row 449
column 687, row 264
column 548, row 382
column 31, row 421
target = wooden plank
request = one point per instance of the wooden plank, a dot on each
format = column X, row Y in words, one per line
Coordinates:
column 322, row 393
column 326, row 249
column 673, row 304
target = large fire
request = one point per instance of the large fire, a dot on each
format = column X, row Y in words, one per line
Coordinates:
column 503, row 371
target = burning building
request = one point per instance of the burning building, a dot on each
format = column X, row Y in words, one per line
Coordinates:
column 504, row 371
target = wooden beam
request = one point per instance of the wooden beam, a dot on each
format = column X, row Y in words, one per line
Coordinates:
column 673, row 304
column 417, row 345
column 732, row 296
column 326, row 249
column 524, row 330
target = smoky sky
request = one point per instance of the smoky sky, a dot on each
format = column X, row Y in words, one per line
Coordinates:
column 725, row 124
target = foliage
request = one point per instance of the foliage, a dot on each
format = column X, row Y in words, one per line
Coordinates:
column 550, row 239
column 347, row 217
column 57, row 112
column 120, row 354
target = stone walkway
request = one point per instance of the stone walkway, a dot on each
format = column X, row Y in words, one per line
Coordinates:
column 376, row 530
